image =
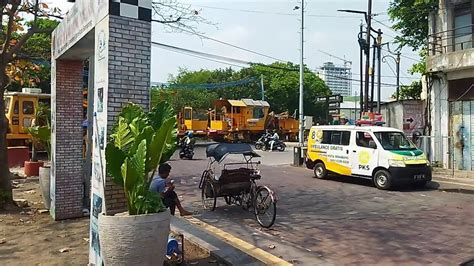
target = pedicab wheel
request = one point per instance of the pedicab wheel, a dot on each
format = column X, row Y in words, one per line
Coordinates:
column 265, row 207
column 208, row 194
column 228, row 200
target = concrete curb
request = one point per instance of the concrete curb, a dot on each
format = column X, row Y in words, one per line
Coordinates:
column 215, row 246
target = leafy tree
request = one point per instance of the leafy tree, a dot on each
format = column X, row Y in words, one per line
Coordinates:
column 281, row 82
column 410, row 18
column 410, row 92
column 14, row 63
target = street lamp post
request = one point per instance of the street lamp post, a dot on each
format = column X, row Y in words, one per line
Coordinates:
column 301, row 120
column 397, row 62
column 368, row 20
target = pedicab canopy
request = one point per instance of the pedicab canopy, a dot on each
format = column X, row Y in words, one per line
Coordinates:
column 221, row 150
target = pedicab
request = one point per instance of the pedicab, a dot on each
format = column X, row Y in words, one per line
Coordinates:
column 236, row 182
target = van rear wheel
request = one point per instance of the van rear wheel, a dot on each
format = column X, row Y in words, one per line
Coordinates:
column 320, row 171
column 383, row 179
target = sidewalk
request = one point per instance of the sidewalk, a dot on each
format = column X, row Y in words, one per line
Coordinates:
column 457, row 181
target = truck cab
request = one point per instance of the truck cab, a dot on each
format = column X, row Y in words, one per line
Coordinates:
column 20, row 109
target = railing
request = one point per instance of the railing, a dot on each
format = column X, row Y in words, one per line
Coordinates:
column 448, row 41
column 439, row 150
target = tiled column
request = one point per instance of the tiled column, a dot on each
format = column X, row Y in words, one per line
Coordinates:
column 67, row 173
column 129, row 81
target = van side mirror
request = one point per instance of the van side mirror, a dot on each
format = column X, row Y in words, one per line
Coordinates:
column 372, row 144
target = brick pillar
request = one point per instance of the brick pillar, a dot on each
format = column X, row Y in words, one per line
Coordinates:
column 129, row 81
column 67, row 169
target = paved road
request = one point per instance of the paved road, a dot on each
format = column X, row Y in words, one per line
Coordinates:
column 342, row 220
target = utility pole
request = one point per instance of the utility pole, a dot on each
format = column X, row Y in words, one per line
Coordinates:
column 398, row 75
column 262, row 87
column 361, row 71
column 379, row 62
column 367, row 61
column 301, row 131
column 372, row 76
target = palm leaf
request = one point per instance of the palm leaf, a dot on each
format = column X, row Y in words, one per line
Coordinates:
column 114, row 159
column 158, row 144
column 123, row 136
column 160, row 113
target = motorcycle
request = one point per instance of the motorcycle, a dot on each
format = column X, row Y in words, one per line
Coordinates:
column 187, row 150
column 261, row 142
column 264, row 144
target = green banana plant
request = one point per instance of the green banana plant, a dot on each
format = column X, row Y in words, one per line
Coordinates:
column 41, row 130
column 139, row 143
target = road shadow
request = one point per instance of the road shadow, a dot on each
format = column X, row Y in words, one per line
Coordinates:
column 401, row 187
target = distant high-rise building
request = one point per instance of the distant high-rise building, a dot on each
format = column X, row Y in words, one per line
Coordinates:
column 338, row 78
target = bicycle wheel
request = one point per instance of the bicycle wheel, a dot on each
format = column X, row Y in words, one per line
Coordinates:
column 208, row 195
column 264, row 207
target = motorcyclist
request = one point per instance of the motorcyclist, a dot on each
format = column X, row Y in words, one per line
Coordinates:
column 274, row 138
column 188, row 139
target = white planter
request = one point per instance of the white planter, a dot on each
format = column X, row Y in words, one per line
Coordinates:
column 45, row 181
column 134, row 239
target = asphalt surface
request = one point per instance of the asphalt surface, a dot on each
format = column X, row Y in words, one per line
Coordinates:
column 341, row 220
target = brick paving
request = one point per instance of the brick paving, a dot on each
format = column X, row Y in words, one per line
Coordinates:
column 345, row 221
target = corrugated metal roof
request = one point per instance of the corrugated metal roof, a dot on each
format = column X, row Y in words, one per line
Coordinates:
column 237, row 103
column 251, row 102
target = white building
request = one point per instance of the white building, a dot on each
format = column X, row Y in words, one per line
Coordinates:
column 338, row 78
column 449, row 89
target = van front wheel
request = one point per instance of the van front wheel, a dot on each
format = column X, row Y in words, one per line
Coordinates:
column 320, row 170
column 383, row 179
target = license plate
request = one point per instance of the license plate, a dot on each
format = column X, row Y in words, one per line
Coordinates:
column 419, row 177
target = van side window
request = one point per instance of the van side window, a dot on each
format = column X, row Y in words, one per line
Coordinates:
column 326, row 137
column 336, row 137
column 346, row 138
column 363, row 139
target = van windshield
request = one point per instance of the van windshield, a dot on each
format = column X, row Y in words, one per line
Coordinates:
column 7, row 104
column 394, row 141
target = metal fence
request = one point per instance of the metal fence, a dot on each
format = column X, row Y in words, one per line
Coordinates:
column 455, row 39
column 439, row 150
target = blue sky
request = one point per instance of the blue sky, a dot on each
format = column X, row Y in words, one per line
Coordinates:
column 275, row 35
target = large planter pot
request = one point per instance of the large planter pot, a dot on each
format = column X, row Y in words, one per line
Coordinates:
column 32, row 168
column 44, row 181
column 134, row 239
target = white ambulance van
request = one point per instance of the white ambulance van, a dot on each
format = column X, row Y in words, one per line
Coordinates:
column 381, row 154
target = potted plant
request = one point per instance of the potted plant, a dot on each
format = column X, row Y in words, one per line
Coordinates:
column 139, row 142
column 41, row 136
column 41, row 119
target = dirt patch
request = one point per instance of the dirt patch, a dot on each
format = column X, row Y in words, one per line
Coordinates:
column 31, row 237
column 28, row 235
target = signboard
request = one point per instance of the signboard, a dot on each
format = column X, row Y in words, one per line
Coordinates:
column 335, row 98
column 79, row 21
column 101, row 83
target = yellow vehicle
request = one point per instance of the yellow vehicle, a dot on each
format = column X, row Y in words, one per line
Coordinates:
column 20, row 108
column 235, row 120
column 286, row 125
column 192, row 120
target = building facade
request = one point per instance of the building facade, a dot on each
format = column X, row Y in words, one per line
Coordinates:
column 449, row 90
column 338, row 78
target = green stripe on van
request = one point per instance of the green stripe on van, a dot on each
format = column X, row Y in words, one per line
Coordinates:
column 408, row 153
